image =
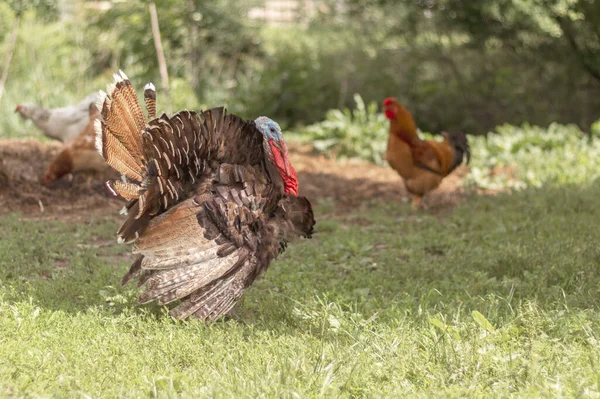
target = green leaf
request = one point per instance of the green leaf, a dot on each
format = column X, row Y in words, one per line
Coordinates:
column 452, row 331
column 482, row 321
column 437, row 323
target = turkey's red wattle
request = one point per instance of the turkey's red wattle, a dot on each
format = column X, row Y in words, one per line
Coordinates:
column 291, row 182
column 281, row 160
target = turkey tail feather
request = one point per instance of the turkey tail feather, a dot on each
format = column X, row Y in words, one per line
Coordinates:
column 119, row 138
column 123, row 140
column 119, row 131
column 215, row 299
column 150, row 100
column 134, row 270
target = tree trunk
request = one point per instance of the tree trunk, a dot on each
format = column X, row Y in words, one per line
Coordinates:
column 162, row 65
column 9, row 54
column 194, row 58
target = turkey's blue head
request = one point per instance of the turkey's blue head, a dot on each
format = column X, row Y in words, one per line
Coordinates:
column 277, row 152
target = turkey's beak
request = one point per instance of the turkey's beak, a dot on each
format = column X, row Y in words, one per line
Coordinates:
column 18, row 108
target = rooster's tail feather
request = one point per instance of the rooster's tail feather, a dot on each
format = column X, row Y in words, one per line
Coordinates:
column 461, row 147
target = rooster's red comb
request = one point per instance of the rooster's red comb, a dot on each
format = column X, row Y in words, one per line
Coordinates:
column 389, row 101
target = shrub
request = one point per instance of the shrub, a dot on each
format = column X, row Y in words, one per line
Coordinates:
column 359, row 133
column 518, row 157
column 50, row 66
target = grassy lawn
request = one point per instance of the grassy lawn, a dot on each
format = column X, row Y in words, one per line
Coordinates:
column 498, row 297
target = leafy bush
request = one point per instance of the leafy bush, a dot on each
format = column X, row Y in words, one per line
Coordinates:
column 300, row 76
column 518, row 157
column 450, row 79
column 359, row 133
column 50, row 66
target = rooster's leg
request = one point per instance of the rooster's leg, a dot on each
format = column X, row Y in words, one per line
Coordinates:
column 417, row 202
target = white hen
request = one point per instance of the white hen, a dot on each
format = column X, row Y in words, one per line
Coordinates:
column 62, row 123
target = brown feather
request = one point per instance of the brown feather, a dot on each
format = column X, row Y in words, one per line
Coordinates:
column 125, row 190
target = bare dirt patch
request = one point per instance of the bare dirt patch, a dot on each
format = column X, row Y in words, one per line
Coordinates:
column 349, row 184
column 352, row 183
column 22, row 166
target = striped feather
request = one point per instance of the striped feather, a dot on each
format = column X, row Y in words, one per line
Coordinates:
column 150, row 100
column 124, row 189
column 178, row 283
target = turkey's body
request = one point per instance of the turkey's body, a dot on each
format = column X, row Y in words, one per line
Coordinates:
column 210, row 204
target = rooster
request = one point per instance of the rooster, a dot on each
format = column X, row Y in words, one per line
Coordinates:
column 213, row 199
column 422, row 164
column 63, row 123
column 79, row 154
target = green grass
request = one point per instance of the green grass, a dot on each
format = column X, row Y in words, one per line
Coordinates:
column 499, row 297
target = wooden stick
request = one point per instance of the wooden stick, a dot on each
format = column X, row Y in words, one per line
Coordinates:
column 162, row 65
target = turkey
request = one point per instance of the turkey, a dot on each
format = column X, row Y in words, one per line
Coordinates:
column 62, row 123
column 212, row 199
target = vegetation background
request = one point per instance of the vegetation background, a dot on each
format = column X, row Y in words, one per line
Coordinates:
column 458, row 65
